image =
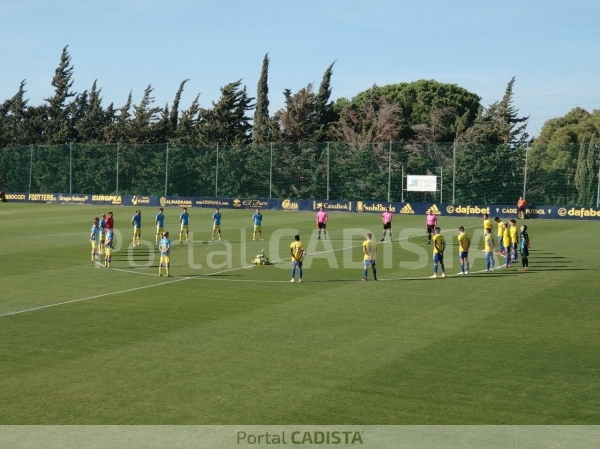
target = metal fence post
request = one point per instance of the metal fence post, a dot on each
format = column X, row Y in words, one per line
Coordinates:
column 271, row 172
column 217, row 174
column 30, row 168
column 525, row 174
column 70, row 168
column 441, row 185
column 402, row 185
column 327, row 171
column 598, row 194
column 117, row 186
column 454, row 173
column 390, row 172
column 167, row 169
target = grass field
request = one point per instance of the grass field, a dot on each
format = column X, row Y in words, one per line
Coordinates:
column 80, row 344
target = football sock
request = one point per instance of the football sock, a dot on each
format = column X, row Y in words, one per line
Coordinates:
column 435, row 266
column 293, row 272
column 365, row 273
column 443, row 269
column 374, row 273
column 462, row 267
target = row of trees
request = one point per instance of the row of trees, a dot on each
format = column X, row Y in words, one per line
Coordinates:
column 422, row 117
column 425, row 111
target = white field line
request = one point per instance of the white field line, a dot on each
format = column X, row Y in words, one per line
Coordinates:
column 91, row 297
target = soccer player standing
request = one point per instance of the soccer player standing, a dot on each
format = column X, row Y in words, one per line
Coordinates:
column 95, row 238
column 488, row 242
column 500, row 233
column 297, row 252
column 464, row 243
column 487, row 224
column 102, row 226
column 369, row 247
column 439, row 245
column 386, row 218
column 430, row 223
column 514, row 239
column 108, row 247
column 257, row 220
column 524, row 248
column 506, row 243
column 110, row 222
column 184, row 219
column 165, row 254
column 136, row 221
column 322, row 218
column 159, row 221
column 216, row 218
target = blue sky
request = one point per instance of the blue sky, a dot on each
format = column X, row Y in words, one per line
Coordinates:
column 553, row 48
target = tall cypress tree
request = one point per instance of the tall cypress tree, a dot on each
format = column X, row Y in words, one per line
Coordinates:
column 174, row 115
column 260, row 129
column 324, row 112
column 56, row 126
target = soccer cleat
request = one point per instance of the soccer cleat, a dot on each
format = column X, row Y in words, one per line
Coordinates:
column 319, row 237
column 160, row 275
column 374, row 279
column 460, row 273
column 486, row 270
column 364, row 279
column 433, row 277
column 261, row 240
column 507, row 266
column 383, row 239
column 443, row 275
column 300, row 280
column 292, row 280
column 253, row 239
column 466, row 272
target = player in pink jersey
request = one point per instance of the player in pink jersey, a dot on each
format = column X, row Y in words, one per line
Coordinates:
column 431, row 223
column 322, row 222
column 386, row 218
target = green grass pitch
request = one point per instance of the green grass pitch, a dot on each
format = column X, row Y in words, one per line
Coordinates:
column 80, row 344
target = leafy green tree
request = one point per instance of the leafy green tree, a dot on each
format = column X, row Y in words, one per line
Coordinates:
column 499, row 124
column 227, row 123
column 119, row 129
column 586, row 173
column 418, row 99
column 144, row 116
column 261, row 126
column 296, row 119
column 186, row 132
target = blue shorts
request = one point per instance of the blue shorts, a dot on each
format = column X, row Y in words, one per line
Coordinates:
column 438, row 257
column 369, row 263
column 296, row 263
column 463, row 254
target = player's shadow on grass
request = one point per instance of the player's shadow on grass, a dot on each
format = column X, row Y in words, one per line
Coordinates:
column 560, row 268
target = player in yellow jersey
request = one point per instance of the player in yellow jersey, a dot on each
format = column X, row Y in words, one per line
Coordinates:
column 487, row 223
column 514, row 239
column 297, row 252
column 108, row 247
column 500, row 235
column 439, row 245
column 506, row 243
column 369, row 247
column 488, row 242
column 464, row 243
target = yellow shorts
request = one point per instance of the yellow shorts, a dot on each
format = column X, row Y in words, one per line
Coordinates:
column 107, row 251
column 102, row 236
column 216, row 227
column 165, row 260
column 257, row 228
column 137, row 231
column 185, row 228
column 94, row 244
column 160, row 230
